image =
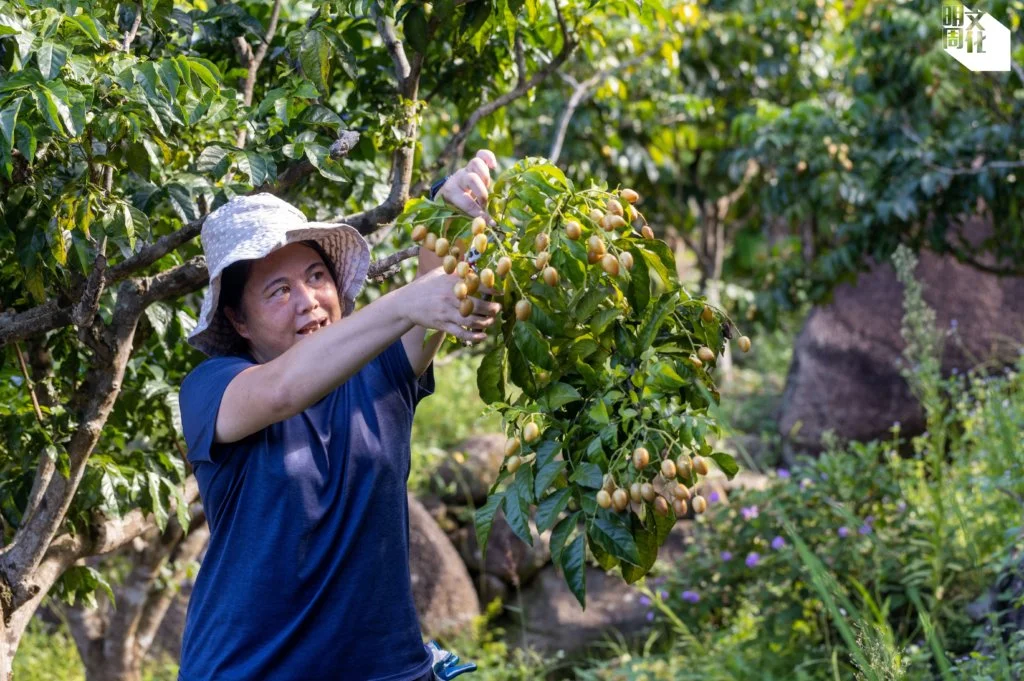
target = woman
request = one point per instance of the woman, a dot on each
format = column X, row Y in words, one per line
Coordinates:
column 298, row 430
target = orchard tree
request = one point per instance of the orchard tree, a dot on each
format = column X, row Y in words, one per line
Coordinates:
column 122, row 125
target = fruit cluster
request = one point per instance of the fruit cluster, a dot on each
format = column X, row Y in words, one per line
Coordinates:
column 600, row 358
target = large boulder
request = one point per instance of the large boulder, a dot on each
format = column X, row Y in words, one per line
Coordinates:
column 442, row 590
column 470, row 469
column 844, row 375
column 510, row 561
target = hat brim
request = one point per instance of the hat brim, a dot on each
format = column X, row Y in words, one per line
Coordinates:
column 349, row 261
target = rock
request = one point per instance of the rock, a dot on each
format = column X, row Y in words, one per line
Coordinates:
column 843, row 376
column 555, row 621
column 508, row 557
column 471, row 469
column 442, row 590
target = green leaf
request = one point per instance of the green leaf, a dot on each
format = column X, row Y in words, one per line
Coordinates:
column 524, row 484
column 557, row 395
column 575, row 570
column 50, row 58
column 551, row 506
column 205, row 70
column 490, row 377
column 483, row 520
column 599, row 413
column 87, row 26
column 159, row 511
column 647, row 549
column 415, row 27
column 516, row 513
column 561, row 532
column 255, row 166
column 588, row 474
column 47, row 105
column 639, row 292
column 519, row 370
column 533, row 345
column 8, row 122
column 614, row 537
column 546, row 451
column 315, row 57
column 546, row 475
column 727, row 463
column 213, row 160
column 655, row 317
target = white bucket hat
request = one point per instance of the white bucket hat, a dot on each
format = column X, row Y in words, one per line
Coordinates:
column 252, row 227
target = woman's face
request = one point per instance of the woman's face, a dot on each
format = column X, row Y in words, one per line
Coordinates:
column 288, row 293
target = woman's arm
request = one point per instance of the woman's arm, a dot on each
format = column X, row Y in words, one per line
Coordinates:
column 420, row 357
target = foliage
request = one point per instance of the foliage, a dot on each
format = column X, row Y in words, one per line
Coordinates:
column 604, row 361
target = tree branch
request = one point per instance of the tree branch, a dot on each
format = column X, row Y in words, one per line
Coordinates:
column 254, row 65
column 454, row 147
column 386, row 267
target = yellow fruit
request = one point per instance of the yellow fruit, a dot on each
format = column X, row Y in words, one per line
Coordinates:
column 744, row 343
column 419, row 232
column 472, row 282
column 550, row 276
column 450, row 263
column 480, row 243
column 660, row 506
column 441, row 247
column 614, row 207
column 462, row 269
column 612, row 222
column 700, row 504
column 573, row 230
column 679, row 506
column 695, row 361
column 455, row 250
column 478, row 226
column 707, row 315
column 668, row 468
column 641, row 457
column 635, row 492
column 647, row 491
column 626, row 260
column 647, row 232
column 610, row 264
column 541, row 242
column 596, row 215
column 513, row 463
column 466, row 307
column 487, row 277
column 620, row 500
column 531, row 432
column 606, row 222
column 683, row 466
column 629, row 195
column 511, row 446
column 801, row 166
column 523, row 310
column 592, row 257
column 596, row 244
column 700, row 465
column 461, row 290
column 706, row 355
column 682, row 491
column 604, row 500
column 504, row 265
column 542, row 260
column 430, row 242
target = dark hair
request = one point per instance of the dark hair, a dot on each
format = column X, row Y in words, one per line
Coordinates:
column 232, row 285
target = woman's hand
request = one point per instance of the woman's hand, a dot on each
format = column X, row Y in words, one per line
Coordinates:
column 429, row 301
column 469, row 187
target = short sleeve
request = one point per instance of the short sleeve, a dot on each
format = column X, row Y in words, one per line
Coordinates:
column 199, row 401
column 399, row 369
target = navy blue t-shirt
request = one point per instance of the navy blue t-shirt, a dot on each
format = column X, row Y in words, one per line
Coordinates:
column 306, row 577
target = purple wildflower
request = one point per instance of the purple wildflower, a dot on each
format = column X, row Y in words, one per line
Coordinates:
column 691, row 596
column 778, row 543
column 844, row 532
column 644, row 600
column 713, row 498
column 650, row 616
column 902, row 506
column 753, row 558
column 865, row 529
column 783, row 473
column 663, row 594
column 726, row 556
column 749, row 512
column 953, row 323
